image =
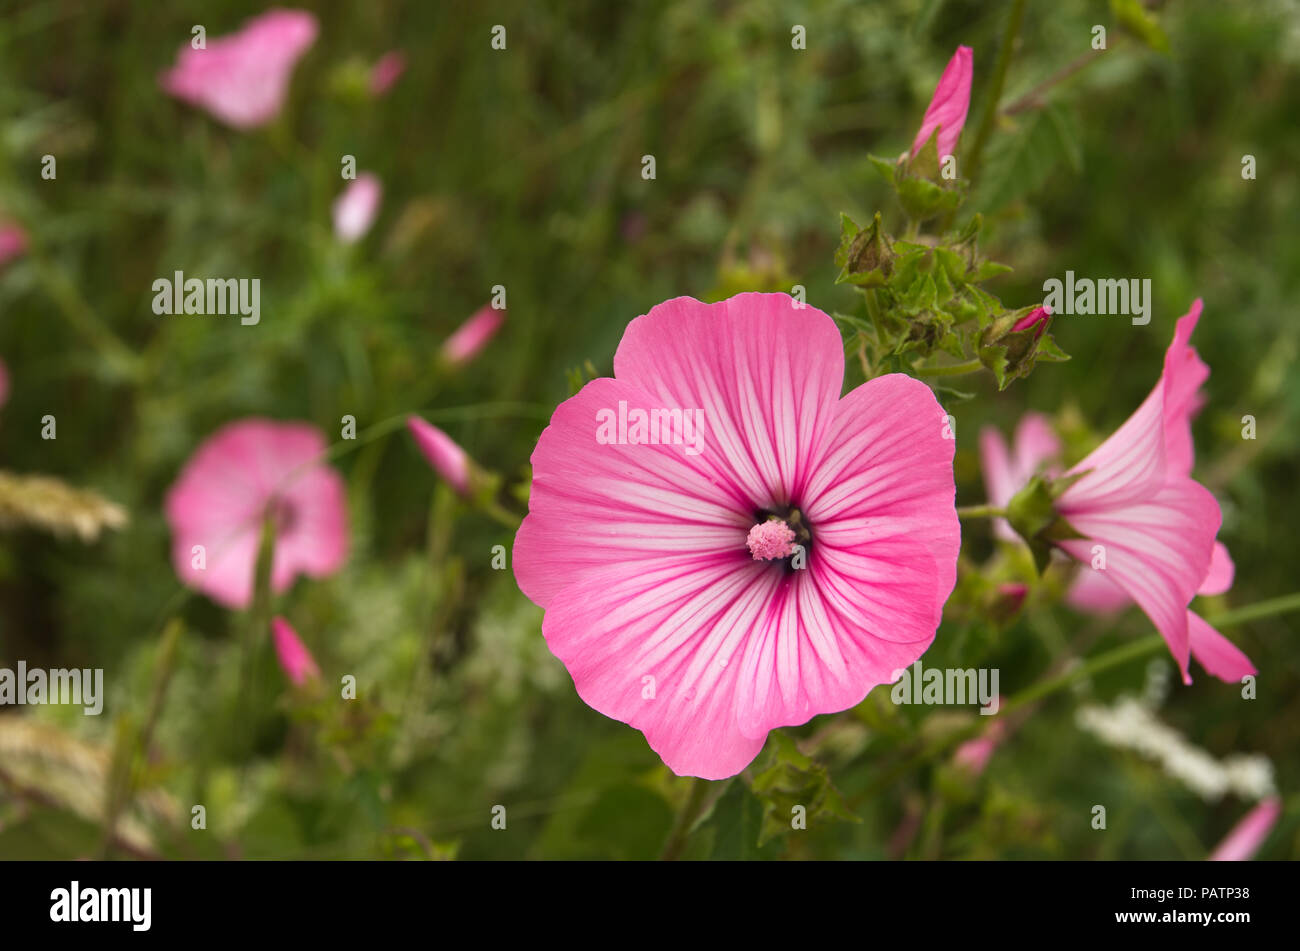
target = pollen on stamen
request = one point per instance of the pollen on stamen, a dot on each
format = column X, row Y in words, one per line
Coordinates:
column 770, row 540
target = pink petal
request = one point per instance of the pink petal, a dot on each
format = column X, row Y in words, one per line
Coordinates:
column 1184, row 372
column 886, row 470
column 442, row 452
column 594, row 505
column 1093, row 592
column 356, row 208
column 1036, row 444
column 766, row 373
column 1217, row 654
column 1249, row 834
column 948, row 106
column 1157, row 550
column 473, row 335
column 1218, row 579
column 1128, row 467
column 4, row 383
column 242, row 79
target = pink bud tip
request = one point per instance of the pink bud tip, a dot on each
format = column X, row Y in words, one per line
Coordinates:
column 1036, row 317
column 473, row 335
column 948, row 107
column 446, row 458
column 770, row 540
column 386, row 71
column 295, row 660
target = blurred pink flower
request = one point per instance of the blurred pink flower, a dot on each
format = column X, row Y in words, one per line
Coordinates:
column 1249, row 834
column 948, row 107
column 356, row 208
column 245, row 472
column 386, row 71
column 974, row 755
column 242, row 79
column 295, row 660
column 4, row 383
column 1034, row 445
column 13, row 243
column 446, row 458
column 1138, row 501
column 473, row 335
column 637, row 549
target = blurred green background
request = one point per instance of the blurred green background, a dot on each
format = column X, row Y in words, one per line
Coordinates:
column 522, row 167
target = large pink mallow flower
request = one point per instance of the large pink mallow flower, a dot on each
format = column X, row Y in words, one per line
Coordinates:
column 949, row 105
column 243, row 78
column 356, row 208
column 1033, row 447
column 292, row 654
column 13, row 242
column 473, row 335
column 722, row 544
column 1241, row 844
column 1156, row 526
column 244, row 473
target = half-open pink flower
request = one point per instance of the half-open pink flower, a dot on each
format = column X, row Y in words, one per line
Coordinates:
column 295, row 660
column 444, row 455
column 386, row 71
column 948, row 106
column 1033, row 447
column 1248, row 835
column 13, row 242
column 244, row 473
column 355, row 209
column 1139, row 509
column 242, row 79
column 668, row 612
column 473, row 335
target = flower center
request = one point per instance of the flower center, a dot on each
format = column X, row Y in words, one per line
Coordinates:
column 779, row 535
column 283, row 514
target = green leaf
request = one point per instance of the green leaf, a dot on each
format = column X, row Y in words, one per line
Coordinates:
column 884, row 166
column 736, row 820
column 1025, row 158
column 792, row 785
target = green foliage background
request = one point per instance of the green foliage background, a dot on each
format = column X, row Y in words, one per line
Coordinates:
column 522, row 167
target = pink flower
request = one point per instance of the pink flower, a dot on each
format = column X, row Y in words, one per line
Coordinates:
column 13, row 243
column 974, row 755
column 386, row 71
column 948, row 107
column 638, row 540
column 1155, row 525
column 243, row 78
column 1249, row 834
column 447, row 458
column 244, row 473
column 1004, row 475
column 1101, row 591
column 4, row 383
column 473, row 335
column 356, row 208
column 295, row 660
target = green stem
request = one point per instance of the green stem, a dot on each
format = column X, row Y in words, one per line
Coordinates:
column 955, row 369
column 995, row 89
column 1260, row 609
column 691, row 810
column 980, row 511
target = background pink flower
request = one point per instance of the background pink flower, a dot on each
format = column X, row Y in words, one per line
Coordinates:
column 1034, row 445
column 244, row 472
column 638, row 552
column 356, row 208
column 242, row 79
column 295, row 660
column 948, row 106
